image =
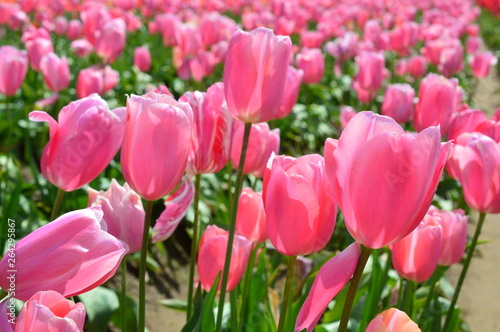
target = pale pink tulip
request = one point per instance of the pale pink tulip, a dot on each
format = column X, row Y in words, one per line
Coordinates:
column 55, row 71
column 251, row 218
column 398, row 102
column 74, row 29
column 110, row 40
column 13, row 69
column 312, row 63
column 392, row 320
column 417, row 66
column 81, row 47
column 37, row 47
column 482, row 62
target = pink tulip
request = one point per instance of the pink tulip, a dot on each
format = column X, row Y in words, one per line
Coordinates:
column 398, row 102
column 346, row 114
column 55, row 71
column 439, row 98
column 466, row 121
column 451, row 60
column 311, row 39
column 401, row 67
column 251, row 218
column 142, row 58
column 94, row 17
column 454, row 226
column 176, row 207
column 82, row 143
column 61, row 25
column 212, row 253
column 475, row 162
column 163, row 125
column 417, row 66
column 71, row 255
column 292, row 89
column 74, row 29
column 342, row 49
column 403, row 37
column 81, row 47
column 330, row 280
column 392, row 320
column 262, row 59
column 123, row 212
column 37, row 48
column 415, row 257
column 482, row 62
column 312, row 63
column 213, row 130
column 383, row 178
column 96, row 80
column 7, row 313
column 473, row 44
column 50, row 311
column 13, row 69
column 370, row 70
column 261, row 144
column 110, row 40
column 300, row 208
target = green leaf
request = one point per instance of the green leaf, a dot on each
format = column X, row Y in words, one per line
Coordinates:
column 176, row 304
column 100, row 304
column 129, row 316
column 203, row 318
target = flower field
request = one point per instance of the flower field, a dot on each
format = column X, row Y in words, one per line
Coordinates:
column 287, row 165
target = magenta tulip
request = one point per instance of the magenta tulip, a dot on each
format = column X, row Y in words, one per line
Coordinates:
column 55, row 72
column 163, row 125
column 255, row 73
column 50, row 311
column 71, row 255
column 398, row 102
column 142, row 58
column 13, row 69
column 312, row 63
column 123, row 212
column 299, row 204
column 251, row 218
column 82, row 143
column 383, row 178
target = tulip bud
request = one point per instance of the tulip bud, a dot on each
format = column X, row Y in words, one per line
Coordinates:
column 55, row 71
column 142, row 58
column 251, row 218
column 13, row 69
column 312, row 63
column 398, row 102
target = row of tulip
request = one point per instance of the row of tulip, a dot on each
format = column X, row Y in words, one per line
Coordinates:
column 381, row 177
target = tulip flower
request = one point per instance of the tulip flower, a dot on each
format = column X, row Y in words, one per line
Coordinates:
column 74, row 29
column 37, row 48
column 261, row 144
column 110, row 40
column 213, row 129
column 292, row 89
column 454, row 226
column 300, row 208
column 82, row 143
column 346, row 114
column 13, row 69
column 475, row 162
column 142, row 58
column 481, row 63
column 163, row 125
column 50, row 311
column 81, row 47
column 398, row 102
column 96, row 80
column 439, row 98
column 392, row 320
column 251, row 218
column 330, row 280
column 417, row 66
column 451, row 60
column 473, row 44
column 466, row 121
column 123, row 212
column 415, row 257
column 312, row 63
column 386, row 203
column 71, row 255
column 55, row 71
column 255, row 73
column 211, row 257
column 370, row 70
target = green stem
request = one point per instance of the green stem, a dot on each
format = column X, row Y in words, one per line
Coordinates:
column 148, row 208
column 194, row 245
column 246, row 284
column 407, row 305
column 461, row 279
column 57, row 204
column 233, row 298
column 232, row 225
column 356, row 278
column 286, row 292
column 436, row 276
column 124, row 292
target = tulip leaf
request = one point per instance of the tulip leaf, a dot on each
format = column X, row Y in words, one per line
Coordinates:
column 176, row 304
column 203, row 318
column 100, row 304
column 129, row 316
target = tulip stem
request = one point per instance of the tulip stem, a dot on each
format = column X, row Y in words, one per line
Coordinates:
column 461, row 279
column 436, row 276
column 407, row 302
column 232, row 225
column 246, row 284
column 57, row 204
column 148, row 209
column 286, row 292
column 356, row 278
column 124, row 292
column 194, row 245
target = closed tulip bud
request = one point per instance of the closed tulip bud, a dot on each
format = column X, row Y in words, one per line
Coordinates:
column 475, row 162
column 55, row 71
column 451, row 60
column 261, row 59
column 346, row 114
column 299, row 204
column 13, row 69
column 61, row 25
column 123, row 212
column 454, row 225
column 251, row 218
column 212, row 253
column 311, row 39
column 37, row 49
column 212, row 130
column 89, row 81
column 438, row 99
column 261, row 144
column 74, row 29
column 385, row 203
column 163, row 125
column 312, row 63
column 417, row 66
column 142, row 58
column 292, row 89
column 71, row 255
column 81, row 47
column 392, row 320
column 82, row 143
column 50, row 311
column 371, row 67
column 482, row 62
column 398, row 102
column 110, row 40
column 473, row 44
column 401, row 67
